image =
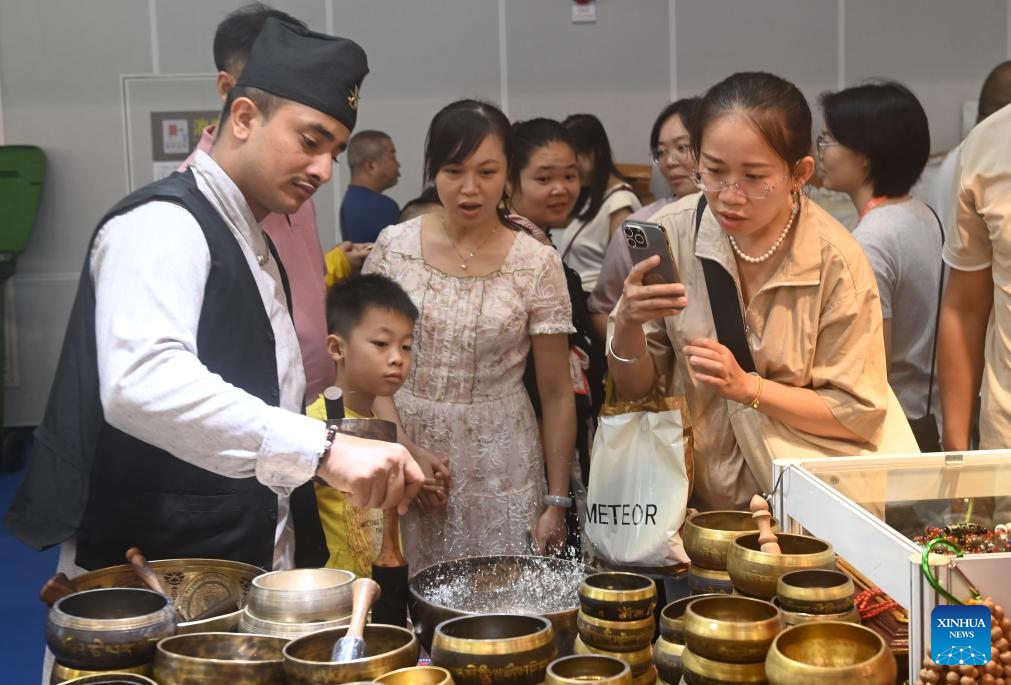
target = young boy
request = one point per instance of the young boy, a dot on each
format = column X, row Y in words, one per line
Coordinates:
column 371, row 323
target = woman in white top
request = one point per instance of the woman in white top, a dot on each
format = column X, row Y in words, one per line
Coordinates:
column 606, row 200
column 874, row 147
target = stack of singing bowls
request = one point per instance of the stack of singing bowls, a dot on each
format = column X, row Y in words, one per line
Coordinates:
column 755, row 573
column 817, row 595
column 615, row 619
column 668, row 647
column 291, row 604
column 707, row 538
column 727, row 640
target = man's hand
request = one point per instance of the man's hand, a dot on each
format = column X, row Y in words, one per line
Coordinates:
column 374, row 473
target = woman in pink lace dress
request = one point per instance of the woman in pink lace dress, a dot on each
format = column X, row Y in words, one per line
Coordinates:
column 489, row 295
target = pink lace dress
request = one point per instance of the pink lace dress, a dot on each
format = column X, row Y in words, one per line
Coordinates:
column 464, row 397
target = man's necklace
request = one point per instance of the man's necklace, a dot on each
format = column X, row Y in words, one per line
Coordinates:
column 465, row 258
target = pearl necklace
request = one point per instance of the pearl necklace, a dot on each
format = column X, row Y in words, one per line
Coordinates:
column 775, row 246
column 470, row 255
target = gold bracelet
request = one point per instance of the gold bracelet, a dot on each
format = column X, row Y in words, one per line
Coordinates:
column 758, row 395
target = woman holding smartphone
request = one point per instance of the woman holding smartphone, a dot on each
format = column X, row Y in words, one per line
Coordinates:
column 804, row 288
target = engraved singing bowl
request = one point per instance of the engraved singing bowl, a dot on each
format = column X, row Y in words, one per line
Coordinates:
column 816, row 653
column 301, row 595
column 672, row 618
column 61, row 673
column 576, row 669
column 617, row 636
column 289, row 631
column 667, row 658
column 617, row 596
column 307, row 660
column 704, row 581
column 108, row 628
column 755, row 573
column 795, row 618
column 417, row 675
column 544, row 586
column 193, row 584
column 505, row 649
column 731, row 629
column 820, row 591
column 219, row 659
column 639, row 661
column 111, row 678
column 708, row 534
column 698, row 670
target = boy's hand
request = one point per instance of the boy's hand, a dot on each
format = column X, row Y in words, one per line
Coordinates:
column 435, row 491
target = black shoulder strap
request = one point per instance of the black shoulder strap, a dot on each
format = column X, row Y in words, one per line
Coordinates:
column 937, row 317
column 724, row 303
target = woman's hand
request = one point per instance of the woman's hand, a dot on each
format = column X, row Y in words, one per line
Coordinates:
column 714, row 365
column 550, row 531
column 641, row 303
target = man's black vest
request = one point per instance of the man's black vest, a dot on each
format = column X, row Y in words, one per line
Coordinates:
column 114, row 491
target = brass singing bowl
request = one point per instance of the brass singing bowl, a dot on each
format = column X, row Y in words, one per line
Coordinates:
column 417, row 675
column 667, row 658
column 387, row 648
column 708, row 534
column 618, row 636
column 672, row 617
column 816, row 653
column 795, row 618
column 506, row 584
column 820, row 591
column 578, row 668
column 639, row 661
column 755, row 573
column 704, row 581
column 698, row 670
column 301, row 595
column 108, row 628
column 193, row 584
column 731, row 629
column 110, row 678
column 506, row 649
column 647, row 678
column 219, row 659
column 617, row 596
column 289, row 631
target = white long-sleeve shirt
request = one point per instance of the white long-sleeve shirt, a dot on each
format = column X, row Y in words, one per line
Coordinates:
column 150, row 267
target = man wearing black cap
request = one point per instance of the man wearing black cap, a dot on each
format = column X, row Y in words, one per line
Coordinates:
column 173, row 423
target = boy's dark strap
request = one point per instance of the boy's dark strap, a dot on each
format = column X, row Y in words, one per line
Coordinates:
column 724, row 303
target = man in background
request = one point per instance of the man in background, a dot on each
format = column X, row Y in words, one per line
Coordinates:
column 365, row 211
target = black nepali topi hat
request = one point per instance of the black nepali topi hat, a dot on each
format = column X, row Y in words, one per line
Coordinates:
column 315, row 69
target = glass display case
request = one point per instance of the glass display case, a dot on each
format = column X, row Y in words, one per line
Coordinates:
column 871, row 508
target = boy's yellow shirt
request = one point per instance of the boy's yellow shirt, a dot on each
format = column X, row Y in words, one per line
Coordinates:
column 353, row 534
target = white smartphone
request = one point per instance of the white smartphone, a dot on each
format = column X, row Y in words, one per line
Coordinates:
column 645, row 239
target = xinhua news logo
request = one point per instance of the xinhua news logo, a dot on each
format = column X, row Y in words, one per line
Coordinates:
column 960, row 635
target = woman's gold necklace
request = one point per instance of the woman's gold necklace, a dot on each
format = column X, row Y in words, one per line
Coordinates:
column 465, row 258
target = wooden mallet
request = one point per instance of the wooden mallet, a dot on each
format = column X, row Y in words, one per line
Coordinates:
column 767, row 540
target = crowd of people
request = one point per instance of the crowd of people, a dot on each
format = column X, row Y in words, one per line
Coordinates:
column 483, row 317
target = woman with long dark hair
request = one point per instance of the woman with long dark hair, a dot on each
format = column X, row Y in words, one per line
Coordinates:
column 606, row 199
column 488, row 295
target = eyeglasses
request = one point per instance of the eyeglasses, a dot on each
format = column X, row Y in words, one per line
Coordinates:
column 755, row 189
column 823, row 141
column 677, row 155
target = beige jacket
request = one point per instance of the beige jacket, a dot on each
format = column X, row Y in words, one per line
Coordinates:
column 815, row 324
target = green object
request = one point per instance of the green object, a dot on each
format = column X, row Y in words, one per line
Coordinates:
column 22, row 168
